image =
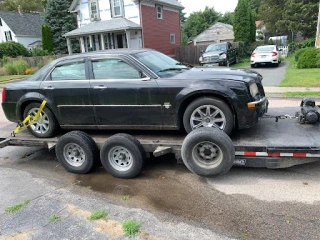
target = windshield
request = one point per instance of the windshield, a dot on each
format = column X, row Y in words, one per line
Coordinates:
column 159, row 63
column 216, row 47
column 265, row 49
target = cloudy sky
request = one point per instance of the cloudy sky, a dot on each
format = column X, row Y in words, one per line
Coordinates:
column 219, row 5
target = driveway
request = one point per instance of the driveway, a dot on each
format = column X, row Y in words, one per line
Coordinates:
column 272, row 76
column 169, row 201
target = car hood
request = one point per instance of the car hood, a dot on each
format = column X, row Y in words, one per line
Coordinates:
column 203, row 73
column 207, row 54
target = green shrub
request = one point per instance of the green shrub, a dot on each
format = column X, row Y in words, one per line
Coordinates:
column 17, row 67
column 38, row 51
column 13, row 49
column 309, row 59
column 299, row 52
column 295, row 46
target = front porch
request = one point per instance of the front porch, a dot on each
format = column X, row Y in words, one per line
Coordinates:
column 109, row 34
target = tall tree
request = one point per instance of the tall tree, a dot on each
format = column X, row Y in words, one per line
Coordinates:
column 270, row 12
column 254, row 4
column 61, row 21
column 47, row 41
column 243, row 22
column 197, row 22
column 300, row 15
column 26, row 6
column 227, row 18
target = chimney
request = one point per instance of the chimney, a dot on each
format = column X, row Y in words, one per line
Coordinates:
column 20, row 10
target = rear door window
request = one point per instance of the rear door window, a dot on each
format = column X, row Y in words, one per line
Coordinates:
column 69, row 71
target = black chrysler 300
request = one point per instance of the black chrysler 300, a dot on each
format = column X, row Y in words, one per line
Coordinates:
column 134, row 89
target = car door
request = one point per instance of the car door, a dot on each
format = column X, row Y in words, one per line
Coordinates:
column 68, row 88
column 123, row 95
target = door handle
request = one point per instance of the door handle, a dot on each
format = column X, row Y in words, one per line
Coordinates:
column 48, row 88
column 100, row 87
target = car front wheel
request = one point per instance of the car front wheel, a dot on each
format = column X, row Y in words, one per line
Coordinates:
column 45, row 125
column 208, row 112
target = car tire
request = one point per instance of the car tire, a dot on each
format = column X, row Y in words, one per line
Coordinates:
column 46, row 125
column 132, row 159
column 276, row 64
column 220, row 107
column 208, row 152
column 253, row 65
column 77, row 152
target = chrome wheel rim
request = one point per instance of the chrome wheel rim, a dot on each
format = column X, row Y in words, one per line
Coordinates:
column 120, row 158
column 207, row 155
column 208, row 116
column 74, row 154
column 42, row 124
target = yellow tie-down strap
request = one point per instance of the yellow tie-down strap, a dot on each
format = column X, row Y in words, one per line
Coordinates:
column 26, row 122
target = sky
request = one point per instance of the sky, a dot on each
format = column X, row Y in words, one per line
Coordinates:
column 219, row 5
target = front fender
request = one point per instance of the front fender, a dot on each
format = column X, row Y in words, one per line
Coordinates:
column 32, row 97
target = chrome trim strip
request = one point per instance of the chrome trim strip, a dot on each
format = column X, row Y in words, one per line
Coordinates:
column 158, row 105
column 260, row 101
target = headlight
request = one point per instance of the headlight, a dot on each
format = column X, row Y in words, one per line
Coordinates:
column 223, row 56
column 254, row 89
column 200, row 59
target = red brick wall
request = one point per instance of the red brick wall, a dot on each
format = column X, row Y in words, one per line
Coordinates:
column 157, row 32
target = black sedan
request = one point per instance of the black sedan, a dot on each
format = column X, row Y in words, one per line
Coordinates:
column 134, row 89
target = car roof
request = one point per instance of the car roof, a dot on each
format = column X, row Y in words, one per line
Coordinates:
column 122, row 51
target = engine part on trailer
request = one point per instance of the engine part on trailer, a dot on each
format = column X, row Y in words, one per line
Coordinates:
column 310, row 112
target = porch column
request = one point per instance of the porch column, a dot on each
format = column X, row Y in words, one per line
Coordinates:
column 83, row 48
column 128, row 38
column 90, row 41
column 69, row 45
column 102, row 42
column 97, row 42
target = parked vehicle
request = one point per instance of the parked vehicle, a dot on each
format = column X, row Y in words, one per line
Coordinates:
column 263, row 55
column 222, row 54
column 134, row 89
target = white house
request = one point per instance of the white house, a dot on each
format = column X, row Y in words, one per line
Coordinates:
column 24, row 28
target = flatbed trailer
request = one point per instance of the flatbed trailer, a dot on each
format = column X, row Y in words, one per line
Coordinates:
column 269, row 144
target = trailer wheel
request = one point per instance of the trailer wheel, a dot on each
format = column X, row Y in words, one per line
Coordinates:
column 122, row 156
column 77, row 152
column 208, row 152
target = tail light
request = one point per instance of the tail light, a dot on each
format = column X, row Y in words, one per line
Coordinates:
column 253, row 54
column 274, row 54
column 4, row 94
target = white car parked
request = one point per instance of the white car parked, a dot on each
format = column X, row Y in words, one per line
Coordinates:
column 269, row 54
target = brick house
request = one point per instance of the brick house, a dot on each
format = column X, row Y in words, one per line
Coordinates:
column 111, row 24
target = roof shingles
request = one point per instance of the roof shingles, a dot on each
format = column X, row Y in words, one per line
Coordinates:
column 27, row 24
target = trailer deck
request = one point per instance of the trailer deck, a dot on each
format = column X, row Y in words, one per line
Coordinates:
column 268, row 144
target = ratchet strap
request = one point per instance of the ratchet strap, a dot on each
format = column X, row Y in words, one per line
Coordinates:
column 26, row 122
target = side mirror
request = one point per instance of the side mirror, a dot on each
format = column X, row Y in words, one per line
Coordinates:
column 280, row 50
column 202, row 51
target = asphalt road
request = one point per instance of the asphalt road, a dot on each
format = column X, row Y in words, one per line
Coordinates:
column 168, row 200
column 272, row 76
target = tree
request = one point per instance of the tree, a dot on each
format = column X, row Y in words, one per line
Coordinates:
column 227, row 18
column 270, row 12
column 244, row 22
column 254, row 4
column 300, row 15
column 197, row 22
column 60, row 21
column 26, row 6
column 47, row 41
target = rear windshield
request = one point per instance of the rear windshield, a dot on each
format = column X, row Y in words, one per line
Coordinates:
column 265, row 49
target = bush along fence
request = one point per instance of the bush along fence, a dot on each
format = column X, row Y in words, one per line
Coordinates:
column 32, row 61
column 191, row 54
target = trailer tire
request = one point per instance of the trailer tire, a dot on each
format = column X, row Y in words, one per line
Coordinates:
column 77, row 152
column 208, row 152
column 45, row 130
column 122, row 156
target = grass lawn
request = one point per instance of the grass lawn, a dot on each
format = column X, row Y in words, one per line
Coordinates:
column 301, row 94
column 11, row 77
column 243, row 63
column 301, row 77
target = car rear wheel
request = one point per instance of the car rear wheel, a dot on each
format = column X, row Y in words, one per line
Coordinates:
column 253, row 65
column 208, row 112
column 45, row 125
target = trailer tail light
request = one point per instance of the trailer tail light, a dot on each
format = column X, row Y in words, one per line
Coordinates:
column 4, row 94
column 274, row 54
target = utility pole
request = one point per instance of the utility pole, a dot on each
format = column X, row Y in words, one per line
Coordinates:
column 318, row 30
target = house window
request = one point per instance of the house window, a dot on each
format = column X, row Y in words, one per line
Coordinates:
column 172, row 38
column 8, row 36
column 117, row 8
column 94, row 10
column 159, row 12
